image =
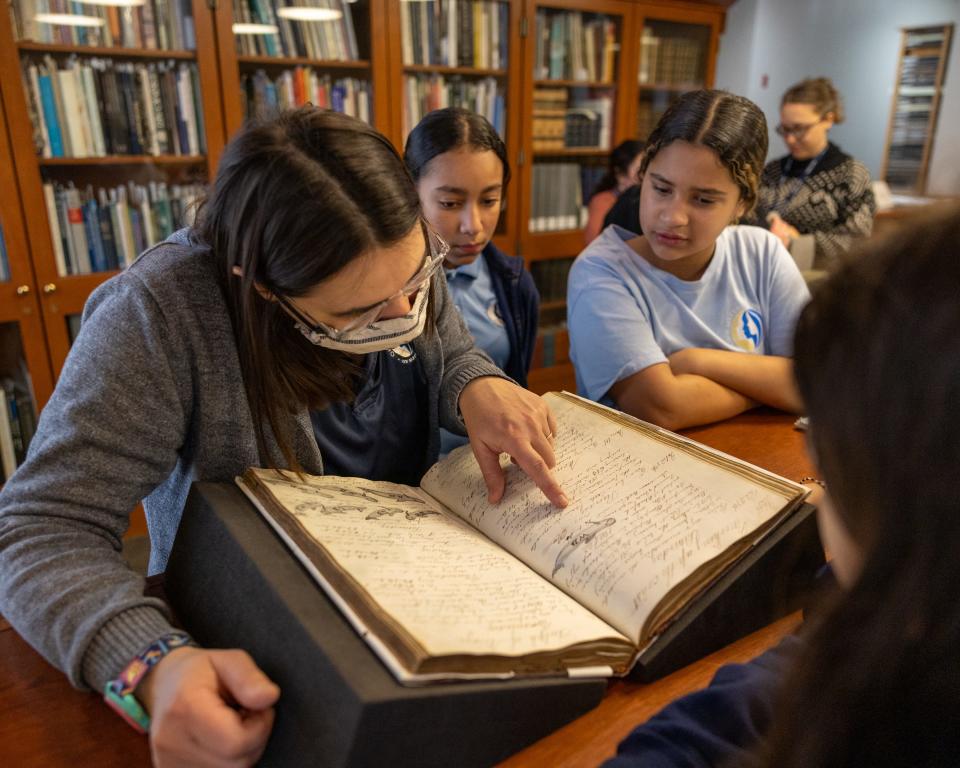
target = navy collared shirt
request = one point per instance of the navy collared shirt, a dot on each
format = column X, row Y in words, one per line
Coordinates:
column 382, row 434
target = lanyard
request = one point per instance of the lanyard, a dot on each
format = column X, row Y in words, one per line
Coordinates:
column 782, row 202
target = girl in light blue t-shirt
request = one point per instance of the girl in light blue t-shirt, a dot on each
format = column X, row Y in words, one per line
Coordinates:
column 693, row 321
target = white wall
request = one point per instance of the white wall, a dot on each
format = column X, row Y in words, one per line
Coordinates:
column 854, row 42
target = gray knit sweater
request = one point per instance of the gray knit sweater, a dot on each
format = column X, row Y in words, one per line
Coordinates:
column 151, row 398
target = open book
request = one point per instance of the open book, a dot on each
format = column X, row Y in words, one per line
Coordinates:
column 444, row 585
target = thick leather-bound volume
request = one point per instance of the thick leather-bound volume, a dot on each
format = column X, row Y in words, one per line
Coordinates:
column 233, row 583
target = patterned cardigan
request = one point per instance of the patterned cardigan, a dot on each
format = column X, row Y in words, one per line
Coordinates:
column 830, row 208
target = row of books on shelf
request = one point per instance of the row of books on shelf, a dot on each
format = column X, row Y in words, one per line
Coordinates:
column 455, row 33
column 92, row 107
column 558, row 197
column 919, row 71
column 571, row 117
column 103, row 230
column 572, row 45
column 552, row 346
column 18, row 424
column 151, row 24
column 329, row 39
column 425, row 93
column 4, row 259
column 550, row 277
column 264, row 95
column 670, row 60
column 648, row 115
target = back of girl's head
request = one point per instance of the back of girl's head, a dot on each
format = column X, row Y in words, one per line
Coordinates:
column 878, row 364
column 298, row 197
column 819, row 93
column 621, row 158
column 732, row 126
column 446, row 130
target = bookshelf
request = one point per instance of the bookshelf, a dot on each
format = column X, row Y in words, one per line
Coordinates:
column 459, row 53
column 329, row 53
column 597, row 73
column 26, row 379
column 114, row 129
column 673, row 52
column 921, row 71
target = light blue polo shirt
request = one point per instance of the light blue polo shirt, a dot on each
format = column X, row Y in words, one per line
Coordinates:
column 471, row 289
column 625, row 315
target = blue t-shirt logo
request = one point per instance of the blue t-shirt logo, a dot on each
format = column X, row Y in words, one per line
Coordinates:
column 746, row 330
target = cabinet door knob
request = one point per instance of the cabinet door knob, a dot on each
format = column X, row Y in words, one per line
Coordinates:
column 23, row 290
column 50, row 288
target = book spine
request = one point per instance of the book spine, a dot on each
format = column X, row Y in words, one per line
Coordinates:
column 48, row 102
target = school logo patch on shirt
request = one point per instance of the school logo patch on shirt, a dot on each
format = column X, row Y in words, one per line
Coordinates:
column 493, row 314
column 746, row 330
column 405, row 353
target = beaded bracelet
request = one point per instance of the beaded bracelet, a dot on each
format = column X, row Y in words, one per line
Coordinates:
column 118, row 693
column 815, row 480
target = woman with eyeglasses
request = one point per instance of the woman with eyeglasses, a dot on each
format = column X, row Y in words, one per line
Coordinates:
column 301, row 324
column 459, row 164
column 817, row 199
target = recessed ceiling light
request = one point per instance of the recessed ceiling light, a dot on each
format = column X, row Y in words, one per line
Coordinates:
column 298, row 13
column 69, row 19
column 255, row 29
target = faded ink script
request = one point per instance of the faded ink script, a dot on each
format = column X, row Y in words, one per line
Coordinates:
column 446, row 584
column 644, row 514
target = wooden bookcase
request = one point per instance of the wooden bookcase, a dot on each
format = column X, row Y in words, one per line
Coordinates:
column 48, row 303
column 61, row 297
column 924, row 52
column 293, row 45
column 429, row 75
column 682, row 37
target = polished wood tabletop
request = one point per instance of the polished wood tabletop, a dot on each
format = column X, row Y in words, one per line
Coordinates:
column 45, row 722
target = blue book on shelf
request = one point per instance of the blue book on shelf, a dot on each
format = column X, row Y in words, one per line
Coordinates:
column 50, row 116
column 4, row 262
column 337, row 94
column 91, row 226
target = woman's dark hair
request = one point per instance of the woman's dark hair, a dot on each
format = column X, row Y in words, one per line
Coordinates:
column 444, row 130
column 620, row 159
column 732, row 126
column 878, row 364
column 819, row 93
column 296, row 199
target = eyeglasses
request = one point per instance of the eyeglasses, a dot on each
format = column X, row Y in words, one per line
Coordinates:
column 436, row 251
column 796, row 131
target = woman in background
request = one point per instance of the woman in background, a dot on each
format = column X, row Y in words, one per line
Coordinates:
column 873, row 680
column 817, row 199
column 459, row 165
column 621, row 175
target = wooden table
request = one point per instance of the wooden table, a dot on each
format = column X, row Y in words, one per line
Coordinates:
column 45, row 722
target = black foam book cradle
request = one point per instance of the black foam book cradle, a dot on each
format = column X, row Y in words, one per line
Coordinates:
column 233, row 584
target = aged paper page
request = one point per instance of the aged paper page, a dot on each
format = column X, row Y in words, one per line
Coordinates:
column 643, row 513
column 448, row 586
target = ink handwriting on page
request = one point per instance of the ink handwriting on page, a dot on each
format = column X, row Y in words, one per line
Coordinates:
column 643, row 514
column 450, row 587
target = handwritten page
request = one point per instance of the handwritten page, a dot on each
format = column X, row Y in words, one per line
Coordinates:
column 449, row 587
column 644, row 513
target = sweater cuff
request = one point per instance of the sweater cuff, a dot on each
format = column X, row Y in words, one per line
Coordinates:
column 119, row 641
column 456, row 386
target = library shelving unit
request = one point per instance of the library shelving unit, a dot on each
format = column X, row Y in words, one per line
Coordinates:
column 459, row 53
column 26, row 379
column 674, row 51
column 331, row 54
column 924, row 52
column 110, row 123
column 598, row 73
